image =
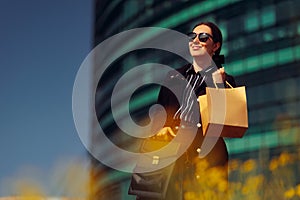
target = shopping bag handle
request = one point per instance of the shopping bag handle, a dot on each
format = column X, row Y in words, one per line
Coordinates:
column 226, row 84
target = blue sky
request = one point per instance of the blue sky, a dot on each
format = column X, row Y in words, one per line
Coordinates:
column 42, row 45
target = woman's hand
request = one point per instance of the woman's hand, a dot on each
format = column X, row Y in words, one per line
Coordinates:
column 219, row 75
column 165, row 133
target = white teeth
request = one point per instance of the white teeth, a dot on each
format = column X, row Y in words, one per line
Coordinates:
column 196, row 47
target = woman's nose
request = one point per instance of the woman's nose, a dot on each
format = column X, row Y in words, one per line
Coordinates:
column 196, row 39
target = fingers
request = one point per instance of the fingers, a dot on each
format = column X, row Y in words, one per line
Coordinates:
column 171, row 132
column 165, row 132
column 162, row 131
column 221, row 70
column 219, row 75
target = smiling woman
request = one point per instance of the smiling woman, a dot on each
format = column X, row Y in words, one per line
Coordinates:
column 205, row 43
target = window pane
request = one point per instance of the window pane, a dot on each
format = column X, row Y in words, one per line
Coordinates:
column 285, row 55
column 268, row 16
column 297, row 52
column 253, row 64
column 251, row 21
column 236, row 67
column 268, row 59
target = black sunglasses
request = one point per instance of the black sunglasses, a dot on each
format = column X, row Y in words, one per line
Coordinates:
column 203, row 37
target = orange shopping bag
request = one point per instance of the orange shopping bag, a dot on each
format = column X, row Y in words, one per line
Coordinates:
column 224, row 112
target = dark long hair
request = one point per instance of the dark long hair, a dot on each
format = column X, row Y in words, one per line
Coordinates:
column 217, row 37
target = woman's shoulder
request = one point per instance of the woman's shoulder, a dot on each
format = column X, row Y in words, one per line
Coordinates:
column 185, row 68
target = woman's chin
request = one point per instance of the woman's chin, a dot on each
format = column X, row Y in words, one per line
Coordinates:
column 200, row 53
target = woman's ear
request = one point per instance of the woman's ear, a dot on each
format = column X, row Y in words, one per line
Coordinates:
column 216, row 46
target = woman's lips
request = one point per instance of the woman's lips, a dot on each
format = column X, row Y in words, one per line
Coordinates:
column 196, row 47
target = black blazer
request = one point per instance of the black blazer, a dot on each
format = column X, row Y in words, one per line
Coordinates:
column 174, row 80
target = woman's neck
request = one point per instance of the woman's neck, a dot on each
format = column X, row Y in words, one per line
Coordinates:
column 200, row 64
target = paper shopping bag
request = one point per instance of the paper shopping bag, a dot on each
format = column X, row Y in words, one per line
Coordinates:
column 224, row 112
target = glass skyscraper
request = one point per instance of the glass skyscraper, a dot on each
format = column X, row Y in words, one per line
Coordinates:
column 261, row 44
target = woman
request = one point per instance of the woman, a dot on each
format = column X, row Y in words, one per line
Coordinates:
column 191, row 177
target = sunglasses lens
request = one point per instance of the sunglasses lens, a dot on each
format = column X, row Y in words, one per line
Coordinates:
column 203, row 37
column 192, row 36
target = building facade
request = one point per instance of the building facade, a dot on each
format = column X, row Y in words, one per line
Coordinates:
column 262, row 50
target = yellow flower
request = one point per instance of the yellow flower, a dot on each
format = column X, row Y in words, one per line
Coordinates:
column 285, row 158
column 215, row 175
column 201, row 164
column 222, row 185
column 245, row 190
column 289, row 193
column 29, row 188
column 273, row 164
column 233, row 165
column 209, row 194
column 189, row 196
column 249, row 165
column 253, row 184
column 298, row 190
